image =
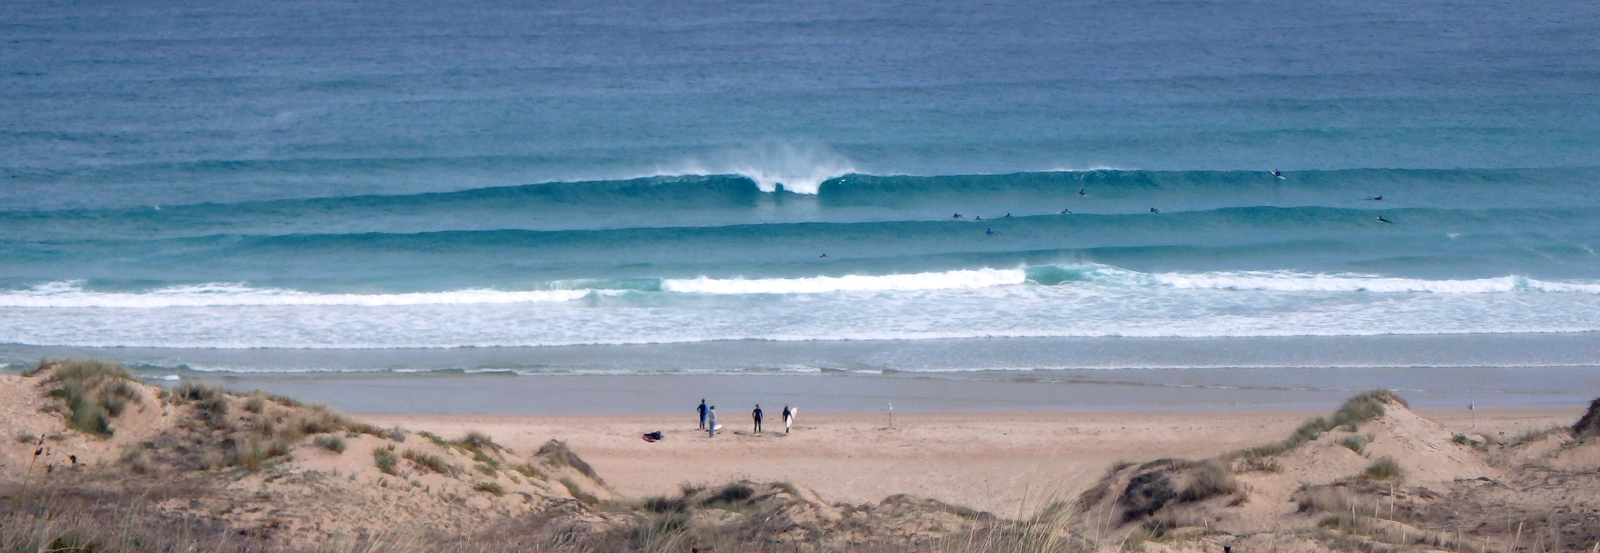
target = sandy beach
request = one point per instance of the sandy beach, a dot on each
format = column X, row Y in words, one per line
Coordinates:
column 992, row 461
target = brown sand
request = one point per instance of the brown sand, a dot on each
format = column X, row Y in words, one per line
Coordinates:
column 1000, row 462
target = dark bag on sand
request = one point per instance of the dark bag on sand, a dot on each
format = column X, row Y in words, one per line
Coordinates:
column 653, row 436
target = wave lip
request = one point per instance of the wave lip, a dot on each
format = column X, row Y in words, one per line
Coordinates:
column 975, row 278
column 1284, row 281
column 72, row 294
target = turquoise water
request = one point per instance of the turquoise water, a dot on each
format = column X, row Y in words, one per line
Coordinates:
column 183, row 178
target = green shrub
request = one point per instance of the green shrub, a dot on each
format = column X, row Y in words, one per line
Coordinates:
column 384, row 458
column 1384, row 468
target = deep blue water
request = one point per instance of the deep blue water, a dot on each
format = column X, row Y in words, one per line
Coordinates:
column 367, row 175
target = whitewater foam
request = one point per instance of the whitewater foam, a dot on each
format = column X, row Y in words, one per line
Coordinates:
column 72, row 294
column 980, row 278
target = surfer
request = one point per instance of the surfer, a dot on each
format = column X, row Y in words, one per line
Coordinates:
column 1375, row 199
column 1275, row 173
column 756, row 414
column 702, row 410
column 977, row 217
column 711, row 422
column 1008, row 216
column 1082, row 192
column 990, row 232
column 1382, row 220
column 956, row 216
column 824, row 255
column 1066, row 212
column 1154, row 210
column 788, row 419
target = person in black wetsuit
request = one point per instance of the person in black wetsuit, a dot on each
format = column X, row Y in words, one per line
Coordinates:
column 756, row 414
column 702, row 409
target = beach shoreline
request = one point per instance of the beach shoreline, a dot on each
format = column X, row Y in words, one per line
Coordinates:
column 1003, row 462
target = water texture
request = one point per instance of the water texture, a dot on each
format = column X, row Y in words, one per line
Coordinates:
column 185, row 176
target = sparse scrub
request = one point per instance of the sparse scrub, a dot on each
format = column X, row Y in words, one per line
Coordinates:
column 662, row 504
column 1385, row 468
column 431, row 463
column 27, row 438
column 529, row 471
column 729, row 495
column 490, row 487
column 577, row 492
column 330, row 443
column 1355, row 442
column 384, row 458
column 1537, row 434
column 438, row 441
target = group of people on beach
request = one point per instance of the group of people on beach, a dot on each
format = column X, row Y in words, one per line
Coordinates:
column 708, row 418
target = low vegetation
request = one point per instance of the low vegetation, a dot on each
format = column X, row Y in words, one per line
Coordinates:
column 1355, row 411
column 91, row 393
column 1384, row 468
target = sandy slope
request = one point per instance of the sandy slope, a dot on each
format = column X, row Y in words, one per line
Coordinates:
column 989, row 461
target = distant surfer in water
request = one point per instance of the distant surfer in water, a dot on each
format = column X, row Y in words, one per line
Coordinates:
column 990, row 232
column 1081, row 192
column 1154, row 210
column 956, row 216
column 1375, row 199
column 1066, row 212
column 824, row 255
column 1008, row 216
column 1382, row 220
column 1275, row 173
column 977, row 217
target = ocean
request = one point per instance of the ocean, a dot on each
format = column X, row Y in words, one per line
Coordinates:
column 969, row 191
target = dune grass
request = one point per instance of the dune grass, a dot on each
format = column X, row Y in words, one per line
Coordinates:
column 92, row 393
column 1356, row 410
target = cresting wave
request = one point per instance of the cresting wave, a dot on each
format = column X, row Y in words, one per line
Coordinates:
column 72, row 294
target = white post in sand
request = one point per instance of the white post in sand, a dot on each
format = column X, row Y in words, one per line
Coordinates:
column 891, row 414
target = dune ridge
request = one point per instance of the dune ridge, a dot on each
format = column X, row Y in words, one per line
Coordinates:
column 95, row 461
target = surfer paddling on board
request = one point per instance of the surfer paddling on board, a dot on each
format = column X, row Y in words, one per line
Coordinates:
column 990, row 232
column 1275, row 173
column 1382, row 220
column 1154, row 210
column 1083, row 192
column 1375, row 199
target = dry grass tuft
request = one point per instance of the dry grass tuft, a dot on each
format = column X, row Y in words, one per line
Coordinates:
column 330, row 443
column 556, row 454
column 490, row 487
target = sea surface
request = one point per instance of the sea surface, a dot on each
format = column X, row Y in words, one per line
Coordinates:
column 822, row 187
